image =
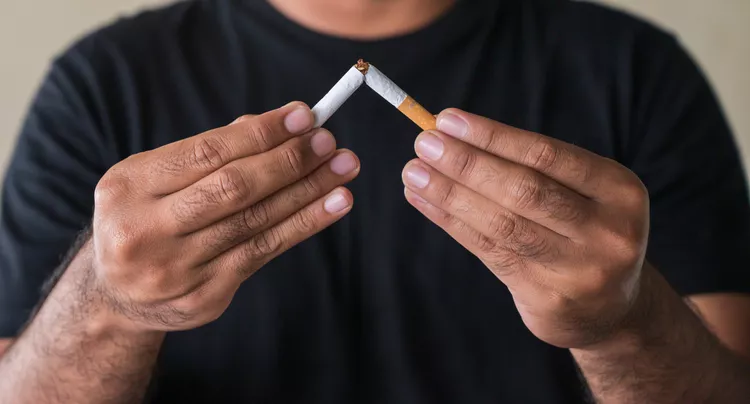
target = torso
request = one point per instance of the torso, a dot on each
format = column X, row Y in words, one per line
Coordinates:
column 384, row 307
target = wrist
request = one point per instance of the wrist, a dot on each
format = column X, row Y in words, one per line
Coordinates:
column 80, row 298
column 645, row 322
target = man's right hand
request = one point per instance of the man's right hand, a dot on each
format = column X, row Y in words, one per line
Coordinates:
column 177, row 229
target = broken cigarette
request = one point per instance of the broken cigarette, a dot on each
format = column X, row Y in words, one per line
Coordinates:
column 381, row 84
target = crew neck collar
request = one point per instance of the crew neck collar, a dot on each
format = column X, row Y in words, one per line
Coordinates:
column 462, row 13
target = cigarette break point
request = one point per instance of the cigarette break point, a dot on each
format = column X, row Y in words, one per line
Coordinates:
column 362, row 66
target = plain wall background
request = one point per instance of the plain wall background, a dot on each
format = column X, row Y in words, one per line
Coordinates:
column 32, row 31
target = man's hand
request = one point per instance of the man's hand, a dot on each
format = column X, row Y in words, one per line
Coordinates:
column 563, row 228
column 566, row 231
column 176, row 230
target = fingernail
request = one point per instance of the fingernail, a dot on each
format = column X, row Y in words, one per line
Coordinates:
column 430, row 146
column 336, row 203
column 417, row 176
column 343, row 164
column 414, row 196
column 323, row 143
column 453, row 125
column 299, row 120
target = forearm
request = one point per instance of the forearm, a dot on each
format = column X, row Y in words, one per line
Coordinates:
column 666, row 355
column 72, row 351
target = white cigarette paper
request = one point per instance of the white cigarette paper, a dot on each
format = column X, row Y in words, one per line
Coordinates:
column 337, row 96
column 364, row 72
column 384, row 86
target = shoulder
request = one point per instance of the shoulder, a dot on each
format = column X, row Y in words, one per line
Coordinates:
column 139, row 39
column 609, row 45
column 595, row 19
column 603, row 31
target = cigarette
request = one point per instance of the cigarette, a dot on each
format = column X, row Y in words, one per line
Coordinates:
column 381, row 84
column 337, row 96
column 376, row 80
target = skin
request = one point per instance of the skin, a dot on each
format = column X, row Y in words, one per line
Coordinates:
column 175, row 232
column 363, row 19
column 564, row 229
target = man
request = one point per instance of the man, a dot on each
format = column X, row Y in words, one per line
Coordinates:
column 523, row 266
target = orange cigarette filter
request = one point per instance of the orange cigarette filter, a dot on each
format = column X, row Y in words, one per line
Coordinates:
column 384, row 86
column 418, row 114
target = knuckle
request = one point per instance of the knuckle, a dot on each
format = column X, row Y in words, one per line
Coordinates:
column 256, row 217
column 624, row 249
column 485, row 244
column 123, row 242
column 542, row 155
column 108, row 190
column 190, row 305
column 206, row 309
column 581, row 170
column 561, row 206
column 562, row 302
column 304, row 222
column 527, row 192
column 464, row 163
column 184, row 210
column 208, row 152
column 292, row 161
column 261, row 134
column 487, row 137
column 448, row 194
column 534, row 247
column 501, row 226
column 526, row 243
column 264, row 245
column 448, row 220
column 243, row 118
column 630, row 251
column 231, row 185
column 311, row 187
column 634, row 193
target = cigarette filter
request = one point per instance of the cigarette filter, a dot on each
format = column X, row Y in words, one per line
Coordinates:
column 381, row 84
column 387, row 89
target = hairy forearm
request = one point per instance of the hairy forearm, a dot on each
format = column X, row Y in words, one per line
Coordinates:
column 72, row 351
column 666, row 355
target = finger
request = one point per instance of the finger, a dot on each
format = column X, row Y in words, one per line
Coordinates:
column 243, row 118
column 175, row 166
column 508, row 266
column 211, row 241
column 520, row 189
column 521, row 275
column 244, row 182
column 244, row 259
column 502, row 228
column 572, row 166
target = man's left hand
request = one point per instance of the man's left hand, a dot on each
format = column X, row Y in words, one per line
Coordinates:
column 564, row 229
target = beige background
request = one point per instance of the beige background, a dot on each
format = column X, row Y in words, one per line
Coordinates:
column 32, row 31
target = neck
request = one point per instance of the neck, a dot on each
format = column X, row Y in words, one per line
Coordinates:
column 363, row 19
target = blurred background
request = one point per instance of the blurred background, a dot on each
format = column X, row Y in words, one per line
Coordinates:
column 716, row 32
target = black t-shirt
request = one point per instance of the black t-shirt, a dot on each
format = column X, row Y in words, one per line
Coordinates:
column 383, row 307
